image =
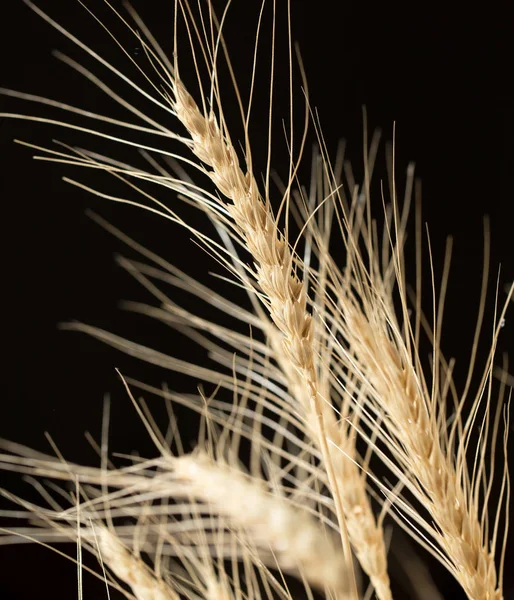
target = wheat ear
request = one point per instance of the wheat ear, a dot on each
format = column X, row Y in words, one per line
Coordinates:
column 199, row 542
column 415, row 439
column 286, row 297
column 430, row 455
column 296, row 540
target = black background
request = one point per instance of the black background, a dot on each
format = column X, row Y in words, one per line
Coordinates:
column 443, row 75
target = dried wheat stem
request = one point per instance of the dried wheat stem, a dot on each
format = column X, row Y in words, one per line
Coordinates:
column 130, row 569
column 296, row 540
column 287, row 302
column 444, row 493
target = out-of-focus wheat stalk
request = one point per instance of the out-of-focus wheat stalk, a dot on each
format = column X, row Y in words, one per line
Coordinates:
column 337, row 361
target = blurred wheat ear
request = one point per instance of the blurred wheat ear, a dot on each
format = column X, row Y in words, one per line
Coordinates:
column 325, row 419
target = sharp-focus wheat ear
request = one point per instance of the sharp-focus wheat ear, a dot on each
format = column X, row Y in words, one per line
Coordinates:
column 443, row 486
column 381, row 356
column 286, row 298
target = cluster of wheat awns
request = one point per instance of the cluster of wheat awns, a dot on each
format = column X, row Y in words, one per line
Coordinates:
column 325, row 356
